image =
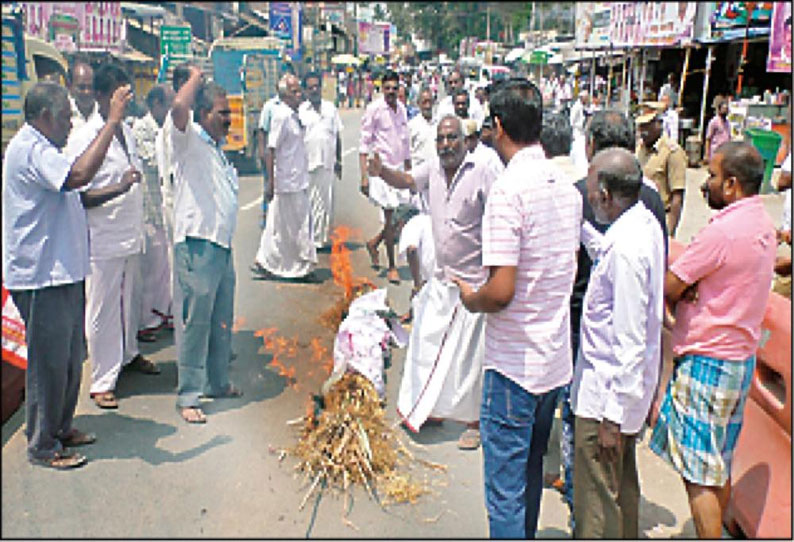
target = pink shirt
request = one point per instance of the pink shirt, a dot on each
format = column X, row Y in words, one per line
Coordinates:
column 719, row 132
column 532, row 221
column 731, row 260
column 385, row 131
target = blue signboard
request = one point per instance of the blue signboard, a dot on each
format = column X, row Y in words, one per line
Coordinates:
column 287, row 25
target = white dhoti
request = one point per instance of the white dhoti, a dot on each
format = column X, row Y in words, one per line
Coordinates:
column 442, row 376
column 418, row 233
column 386, row 196
column 155, row 277
column 111, row 318
column 578, row 154
column 321, row 196
column 286, row 247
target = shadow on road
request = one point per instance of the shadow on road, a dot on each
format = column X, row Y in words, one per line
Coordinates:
column 652, row 514
column 435, row 434
column 124, row 437
column 552, row 532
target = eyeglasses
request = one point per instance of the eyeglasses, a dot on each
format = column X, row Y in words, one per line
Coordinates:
column 447, row 137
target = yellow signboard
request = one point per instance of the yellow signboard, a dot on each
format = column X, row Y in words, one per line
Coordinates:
column 236, row 140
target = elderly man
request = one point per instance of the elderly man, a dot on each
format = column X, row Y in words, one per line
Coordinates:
column 446, row 107
column 664, row 162
column 46, row 260
column 81, row 88
column 384, row 130
column 155, row 268
column 286, row 247
column 718, row 291
column 265, row 117
column 324, row 155
column 481, row 152
column 669, row 118
column 443, row 367
column 205, row 217
column 531, row 263
column 620, row 351
column 114, row 209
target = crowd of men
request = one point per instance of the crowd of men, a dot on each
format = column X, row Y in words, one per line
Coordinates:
column 539, row 270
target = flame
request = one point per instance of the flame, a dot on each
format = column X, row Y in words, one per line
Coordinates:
column 340, row 260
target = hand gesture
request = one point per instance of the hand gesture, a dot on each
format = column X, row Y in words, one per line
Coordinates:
column 374, row 165
column 118, row 103
column 195, row 71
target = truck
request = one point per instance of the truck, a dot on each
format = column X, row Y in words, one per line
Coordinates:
column 249, row 70
column 26, row 61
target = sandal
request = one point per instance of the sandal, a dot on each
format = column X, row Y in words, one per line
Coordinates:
column 193, row 415
column 373, row 254
column 393, row 276
column 61, row 460
column 230, row 393
column 106, row 400
column 470, row 439
column 146, row 336
column 143, row 365
column 77, row 438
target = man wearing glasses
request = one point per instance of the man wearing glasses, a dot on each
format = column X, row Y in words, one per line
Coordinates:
column 443, row 365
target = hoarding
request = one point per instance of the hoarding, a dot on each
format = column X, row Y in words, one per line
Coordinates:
column 779, row 59
column 373, row 38
column 175, row 41
column 634, row 24
column 593, row 24
column 286, row 23
column 100, row 24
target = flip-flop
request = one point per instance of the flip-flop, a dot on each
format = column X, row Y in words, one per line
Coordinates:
column 77, row 438
column 393, row 276
column 144, row 365
column 61, row 460
column 193, row 415
column 470, row 439
column 105, row 400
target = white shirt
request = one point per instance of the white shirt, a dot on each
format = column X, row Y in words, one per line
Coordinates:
column 205, row 201
column 620, row 351
column 145, row 130
column 322, row 130
column 78, row 120
column 577, row 118
column 290, row 167
column 116, row 226
column 670, row 124
column 475, row 109
column 45, row 235
column 566, row 165
column 485, row 154
column 422, row 134
column 267, row 113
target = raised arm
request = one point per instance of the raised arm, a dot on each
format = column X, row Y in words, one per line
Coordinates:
column 183, row 102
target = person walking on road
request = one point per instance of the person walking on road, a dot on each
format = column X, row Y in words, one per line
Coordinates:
column 619, row 359
column 265, row 117
column 46, row 260
column 286, row 247
column 443, row 369
column 324, row 155
column 719, row 129
column 205, row 218
column 664, row 162
column 530, row 235
column 384, row 130
column 717, row 291
column 114, row 209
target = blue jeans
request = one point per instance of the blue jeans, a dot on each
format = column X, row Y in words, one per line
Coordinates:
column 203, row 313
column 514, row 427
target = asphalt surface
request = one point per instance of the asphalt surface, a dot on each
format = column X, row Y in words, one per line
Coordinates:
column 152, row 475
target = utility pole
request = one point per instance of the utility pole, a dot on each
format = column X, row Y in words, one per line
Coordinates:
column 487, row 21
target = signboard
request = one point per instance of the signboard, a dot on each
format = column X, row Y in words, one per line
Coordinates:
column 175, row 41
column 779, row 59
column 100, row 25
column 63, row 31
column 333, row 13
column 634, row 24
column 285, row 23
column 539, row 57
column 593, row 24
column 373, row 38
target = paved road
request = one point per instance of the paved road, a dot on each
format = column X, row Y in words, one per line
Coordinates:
column 152, row 475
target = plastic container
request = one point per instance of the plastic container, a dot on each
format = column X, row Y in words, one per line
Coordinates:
column 767, row 142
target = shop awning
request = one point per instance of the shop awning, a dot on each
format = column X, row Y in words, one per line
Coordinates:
column 132, row 55
column 514, row 54
column 143, row 10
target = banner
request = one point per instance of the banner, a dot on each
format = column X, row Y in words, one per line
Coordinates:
column 634, row 24
column 593, row 24
column 286, row 23
column 779, row 59
column 100, row 26
column 373, row 38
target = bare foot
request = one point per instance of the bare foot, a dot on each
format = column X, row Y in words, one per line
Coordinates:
column 193, row 415
column 372, row 248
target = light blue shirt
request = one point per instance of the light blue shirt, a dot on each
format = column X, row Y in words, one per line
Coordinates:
column 45, row 234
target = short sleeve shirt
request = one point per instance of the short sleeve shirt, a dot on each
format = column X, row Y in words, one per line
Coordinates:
column 45, row 234
column 385, row 130
column 286, row 137
column 532, row 221
column 732, row 261
column 322, row 129
column 665, row 164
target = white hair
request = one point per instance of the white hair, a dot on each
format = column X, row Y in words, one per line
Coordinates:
column 454, row 117
column 282, row 84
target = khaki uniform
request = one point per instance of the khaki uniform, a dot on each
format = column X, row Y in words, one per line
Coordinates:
column 665, row 164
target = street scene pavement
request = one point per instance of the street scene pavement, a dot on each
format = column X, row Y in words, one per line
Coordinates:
column 152, row 475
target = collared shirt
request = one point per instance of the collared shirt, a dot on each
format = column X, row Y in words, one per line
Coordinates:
column 718, row 132
column 456, row 213
column 578, row 118
column 145, row 131
column 286, row 135
column 731, row 259
column 620, row 349
column 322, row 129
column 267, row 113
column 385, row 131
column 205, row 201
column 116, row 226
column 78, row 120
column 532, row 221
column 665, row 165
column 566, row 165
column 45, row 235
column 423, row 139
column 485, row 154
column 446, row 107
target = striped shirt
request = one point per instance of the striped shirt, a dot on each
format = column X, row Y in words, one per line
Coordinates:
column 532, row 220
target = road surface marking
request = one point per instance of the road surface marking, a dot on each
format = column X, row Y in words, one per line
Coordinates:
column 251, row 205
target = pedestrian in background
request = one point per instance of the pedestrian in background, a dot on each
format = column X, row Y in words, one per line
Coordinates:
column 717, row 291
column 265, row 118
column 579, row 113
column 46, row 261
column 446, row 106
column 530, row 236
column 669, row 119
column 205, row 218
column 619, row 359
column 323, row 140
column 114, row 208
column 81, row 90
column 718, row 130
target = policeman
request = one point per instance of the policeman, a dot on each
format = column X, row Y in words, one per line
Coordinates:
column 663, row 161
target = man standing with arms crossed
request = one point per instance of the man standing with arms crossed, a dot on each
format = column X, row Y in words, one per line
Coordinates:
column 46, row 260
column 384, row 130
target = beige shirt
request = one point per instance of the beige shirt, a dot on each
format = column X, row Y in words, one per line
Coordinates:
column 665, row 165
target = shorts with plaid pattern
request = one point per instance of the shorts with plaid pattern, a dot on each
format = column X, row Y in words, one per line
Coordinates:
column 701, row 416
